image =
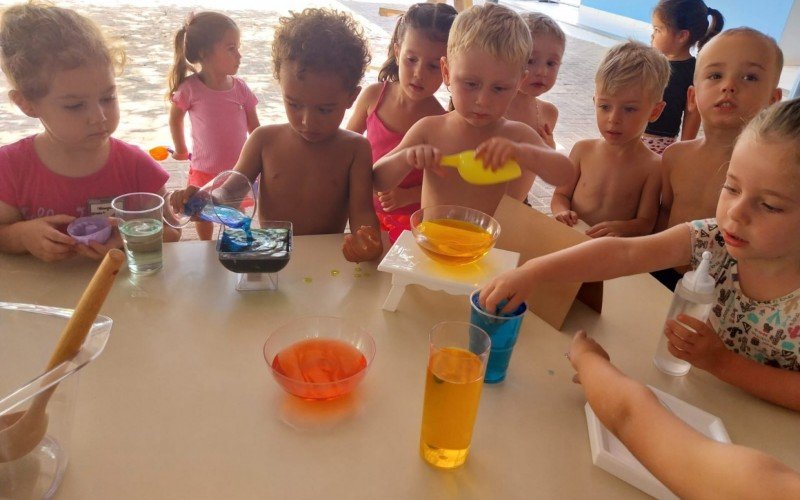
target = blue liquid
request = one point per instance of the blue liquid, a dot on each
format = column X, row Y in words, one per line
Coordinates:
column 203, row 209
column 497, row 366
column 503, row 331
column 272, row 242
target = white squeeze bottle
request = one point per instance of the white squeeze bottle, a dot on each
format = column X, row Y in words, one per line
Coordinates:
column 694, row 295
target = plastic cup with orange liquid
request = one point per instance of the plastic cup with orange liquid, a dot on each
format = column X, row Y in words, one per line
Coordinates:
column 453, row 383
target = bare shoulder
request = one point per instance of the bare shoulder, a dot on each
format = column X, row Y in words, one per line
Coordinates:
column 517, row 131
column 269, row 133
column 548, row 110
column 369, row 96
column 648, row 160
column 681, row 150
column 351, row 139
column 584, row 147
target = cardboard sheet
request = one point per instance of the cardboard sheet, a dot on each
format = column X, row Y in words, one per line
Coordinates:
column 532, row 234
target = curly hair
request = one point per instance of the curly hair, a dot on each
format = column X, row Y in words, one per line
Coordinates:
column 322, row 40
column 38, row 39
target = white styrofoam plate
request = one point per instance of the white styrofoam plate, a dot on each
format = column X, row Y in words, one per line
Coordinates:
column 611, row 455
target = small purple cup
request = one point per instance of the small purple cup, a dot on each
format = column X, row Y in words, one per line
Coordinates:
column 93, row 228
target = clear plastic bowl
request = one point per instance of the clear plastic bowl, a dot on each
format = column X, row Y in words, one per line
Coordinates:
column 315, row 329
column 454, row 240
column 28, row 335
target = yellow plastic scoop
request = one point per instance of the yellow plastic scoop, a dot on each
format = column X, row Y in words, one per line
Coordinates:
column 472, row 170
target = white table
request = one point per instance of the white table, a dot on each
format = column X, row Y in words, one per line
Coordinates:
column 181, row 404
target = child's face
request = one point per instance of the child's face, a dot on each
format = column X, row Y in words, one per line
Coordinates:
column 543, row 65
column 734, row 79
column 481, row 86
column 759, row 207
column 224, row 56
column 418, row 62
column 81, row 108
column 623, row 116
column 315, row 102
column 665, row 40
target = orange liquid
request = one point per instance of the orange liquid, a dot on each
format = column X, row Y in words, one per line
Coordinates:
column 319, row 368
column 452, row 392
column 453, row 242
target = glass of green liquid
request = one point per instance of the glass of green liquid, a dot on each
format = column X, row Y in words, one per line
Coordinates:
column 456, row 364
column 141, row 226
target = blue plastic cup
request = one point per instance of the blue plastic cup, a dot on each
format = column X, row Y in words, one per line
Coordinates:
column 503, row 330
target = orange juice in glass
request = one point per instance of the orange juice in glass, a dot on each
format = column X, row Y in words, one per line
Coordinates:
column 453, row 383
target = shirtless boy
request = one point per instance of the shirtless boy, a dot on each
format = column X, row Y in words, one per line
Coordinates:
column 617, row 186
column 487, row 53
column 736, row 76
column 313, row 173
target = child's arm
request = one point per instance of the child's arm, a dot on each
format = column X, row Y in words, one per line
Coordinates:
column 412, row 152
column 364, row 242
column 550, row 117
column 646, row 213
column 250, row 163
column 358, row 120
column 665, row 206
column 39, row 237
column 176, row 116
column 561, row 203
column 580, row 263
column 704, row 349
column 252, row 120
column 688, row 463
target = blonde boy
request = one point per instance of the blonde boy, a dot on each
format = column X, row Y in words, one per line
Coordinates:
column 487, row 52
column 544, row 62
column 736, row 76
column 617, row 188
column 313, row 173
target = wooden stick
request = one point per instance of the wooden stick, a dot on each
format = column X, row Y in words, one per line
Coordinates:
column 80, row 322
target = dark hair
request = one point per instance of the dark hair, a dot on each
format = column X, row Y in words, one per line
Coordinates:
column 322, row 40
column 197, row 35
column 692, row 16
column 434, row 19
column 38, row 39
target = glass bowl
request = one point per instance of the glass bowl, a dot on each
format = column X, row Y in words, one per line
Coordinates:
column 454, row 235
column 319, row 357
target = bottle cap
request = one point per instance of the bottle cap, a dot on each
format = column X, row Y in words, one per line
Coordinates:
column 699, row 280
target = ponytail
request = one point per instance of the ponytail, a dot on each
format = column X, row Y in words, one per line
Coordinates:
column 714, row 28
column 180, row 66
column 390, row 71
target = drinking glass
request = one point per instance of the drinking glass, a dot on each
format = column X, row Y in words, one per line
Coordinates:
column 142, row 228
column 503, row 330
column 456, row 364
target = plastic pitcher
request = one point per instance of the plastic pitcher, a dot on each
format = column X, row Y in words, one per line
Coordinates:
column 227, row 199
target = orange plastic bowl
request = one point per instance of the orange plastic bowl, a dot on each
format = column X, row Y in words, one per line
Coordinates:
column 319, row 357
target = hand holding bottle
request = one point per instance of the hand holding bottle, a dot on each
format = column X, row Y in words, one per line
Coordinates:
column 695, row 341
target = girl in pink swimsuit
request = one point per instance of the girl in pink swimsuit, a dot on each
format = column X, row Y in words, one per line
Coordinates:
column 404, row 94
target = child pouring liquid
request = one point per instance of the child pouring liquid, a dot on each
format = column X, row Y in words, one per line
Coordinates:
column 386, row 110
column 688, row 463
column 220, row 105
column 753, row 337
column 314, row 174
column 73, row 168
column 679, row 25
column 549, row 42
column 487, row 54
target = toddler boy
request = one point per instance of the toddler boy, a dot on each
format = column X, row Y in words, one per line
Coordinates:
column 313, row 173
column 736, row 76
column 543, row 65
column 617, row 187
column 487, row 53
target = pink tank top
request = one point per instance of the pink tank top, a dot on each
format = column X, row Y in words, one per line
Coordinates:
column 383, row 140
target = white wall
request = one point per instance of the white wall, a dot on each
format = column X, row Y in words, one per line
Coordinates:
column 790, row 41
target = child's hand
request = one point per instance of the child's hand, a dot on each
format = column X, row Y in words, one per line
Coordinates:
column 396, row 198
column 44, row 241
column 363, row 245
column 546, row 133
column 512, row 285
column 97, row 251
column 179, row 197
column 181, row 156
column 496, row 151
column 607, row 228
column 702, row 347
column 425, row 157
column 580, row 345
column 567, row 217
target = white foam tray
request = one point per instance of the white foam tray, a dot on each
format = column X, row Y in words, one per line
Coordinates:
column 611, row 455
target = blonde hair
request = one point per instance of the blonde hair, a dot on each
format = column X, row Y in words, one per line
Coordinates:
column 778, row 123
column 633, row 64
column 495, row 29
column 38, row 39
column 773, row 46
column 197, row 36
column 543, row 25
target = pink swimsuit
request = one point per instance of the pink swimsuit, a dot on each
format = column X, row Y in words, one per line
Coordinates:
column 384, row 140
